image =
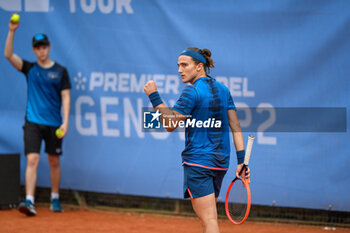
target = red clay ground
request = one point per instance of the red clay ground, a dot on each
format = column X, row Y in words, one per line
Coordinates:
column 82, row 221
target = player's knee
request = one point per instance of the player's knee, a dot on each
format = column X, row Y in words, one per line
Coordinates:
column 32, row 161
column 54, row 162
column 208, row 221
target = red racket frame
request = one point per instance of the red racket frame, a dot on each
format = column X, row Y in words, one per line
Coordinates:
column 248, row 201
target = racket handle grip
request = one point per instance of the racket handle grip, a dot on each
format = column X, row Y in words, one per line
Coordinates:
column 248, row 150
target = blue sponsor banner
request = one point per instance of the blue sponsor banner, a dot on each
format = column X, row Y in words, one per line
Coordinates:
column 270, row 54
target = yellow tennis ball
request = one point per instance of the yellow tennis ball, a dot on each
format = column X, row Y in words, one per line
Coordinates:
column 15, row 18
column 59, row 132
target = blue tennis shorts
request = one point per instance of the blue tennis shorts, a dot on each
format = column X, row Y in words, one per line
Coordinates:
column 199, row 182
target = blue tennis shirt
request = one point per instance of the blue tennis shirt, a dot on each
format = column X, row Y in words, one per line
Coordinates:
column 44, row 92
column 206, row 147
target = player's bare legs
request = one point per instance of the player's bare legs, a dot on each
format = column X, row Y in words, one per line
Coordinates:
column 55, row 175
column 31, row 172
column 27, row 206
column 205, row 208
column 55, row 172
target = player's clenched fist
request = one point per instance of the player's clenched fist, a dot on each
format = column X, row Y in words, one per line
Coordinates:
column 150, row 87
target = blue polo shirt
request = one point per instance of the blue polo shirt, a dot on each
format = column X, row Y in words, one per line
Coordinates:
column 206, row 147
column 44, row 92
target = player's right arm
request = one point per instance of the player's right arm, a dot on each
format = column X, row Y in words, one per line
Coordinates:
column 13, row 58
column 166, row 113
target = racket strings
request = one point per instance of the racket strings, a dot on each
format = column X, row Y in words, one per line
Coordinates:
column 237, row 201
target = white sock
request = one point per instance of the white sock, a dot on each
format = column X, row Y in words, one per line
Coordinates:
column 55, row 196
column 30, row 197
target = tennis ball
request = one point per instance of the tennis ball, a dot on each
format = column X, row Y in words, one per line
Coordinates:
column 15, row 18
column 59, row 132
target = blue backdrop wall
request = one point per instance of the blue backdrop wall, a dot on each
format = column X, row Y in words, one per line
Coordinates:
column 269, row 53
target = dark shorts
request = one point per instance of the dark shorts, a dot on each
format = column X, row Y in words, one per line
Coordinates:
column 199, row 182
column 34, row 134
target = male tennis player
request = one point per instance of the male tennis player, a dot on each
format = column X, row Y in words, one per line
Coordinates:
column 48, row 89
column 207, row 152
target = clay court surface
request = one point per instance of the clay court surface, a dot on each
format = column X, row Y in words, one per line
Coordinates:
column 71, row 221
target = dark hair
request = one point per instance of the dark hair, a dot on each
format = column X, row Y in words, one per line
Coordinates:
column 207, row 55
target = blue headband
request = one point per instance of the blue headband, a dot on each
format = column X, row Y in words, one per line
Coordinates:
column 194, row 54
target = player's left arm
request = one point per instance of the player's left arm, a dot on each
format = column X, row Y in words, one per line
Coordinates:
column 238, row 141
column 236, row 130
column 167, row 114
column 65, row 94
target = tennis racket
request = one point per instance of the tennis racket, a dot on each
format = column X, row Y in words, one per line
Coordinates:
column 237, row 201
